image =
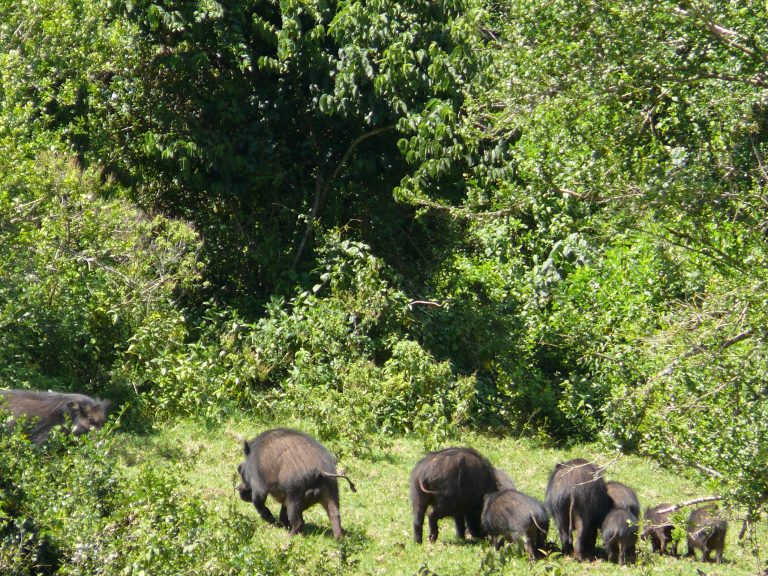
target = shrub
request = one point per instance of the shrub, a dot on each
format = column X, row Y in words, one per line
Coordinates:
column 82, row 272
column 349, row 365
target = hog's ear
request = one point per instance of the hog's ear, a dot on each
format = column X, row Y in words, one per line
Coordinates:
column 246, row 447
column 105, row 405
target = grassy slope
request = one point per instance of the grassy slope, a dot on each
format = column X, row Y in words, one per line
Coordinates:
column 378, row 519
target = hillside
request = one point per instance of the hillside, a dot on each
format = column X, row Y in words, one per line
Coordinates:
column 378, row 518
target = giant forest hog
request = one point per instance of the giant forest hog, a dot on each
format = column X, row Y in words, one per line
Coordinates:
column 297, row 471
column 706, row 531
column 658, row 529
column 516, row 517
column 44, row 411
column 619, row 531
column 454, row 483
column 578, row 500
column 622, row 496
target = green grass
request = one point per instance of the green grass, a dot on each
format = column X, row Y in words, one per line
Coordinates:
column 378, row 518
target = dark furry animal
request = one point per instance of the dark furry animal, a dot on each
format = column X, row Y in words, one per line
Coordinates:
column 516, row 517
column 43, row 411
column 297, row 471
column 453, row 482
column 619, row 531
column 658, row 529
column 578, row 501
column 706, row 531
column 624, row 497
column 503, row 480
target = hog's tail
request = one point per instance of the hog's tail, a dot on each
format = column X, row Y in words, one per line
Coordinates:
column 424, row 489
column 330, row 475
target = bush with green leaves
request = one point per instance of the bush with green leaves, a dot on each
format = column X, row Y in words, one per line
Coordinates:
column 81, row 272
column 52, row 498
column 337, row 355
column 698, row 400
column 634, row 185
column 347, row 362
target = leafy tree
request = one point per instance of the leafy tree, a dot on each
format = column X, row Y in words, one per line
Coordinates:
column 259, row 120
column 58, row 61
column 624, row 166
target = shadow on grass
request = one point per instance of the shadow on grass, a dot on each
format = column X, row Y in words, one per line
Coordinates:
column 352, row 534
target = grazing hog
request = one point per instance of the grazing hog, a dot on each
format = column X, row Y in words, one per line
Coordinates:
column 706, row 531
column 619, row 532
column 453, row 482
column 516, row 517
column 578, row 501
column 297, row 471
column 43, row 411
column 658, row 529
column 503, row 480
column 622, row 496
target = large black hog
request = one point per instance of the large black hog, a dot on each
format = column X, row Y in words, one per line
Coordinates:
column 619, row 532
column 454, row 482
column 44, row 411
column 578, row 501
column 622, row 496
column 706, row 531
column 297, row 471
column 516, row 517
column 658, row 529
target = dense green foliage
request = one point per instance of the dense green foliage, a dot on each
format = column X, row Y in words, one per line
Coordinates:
column 81, row 273
column 394, row 217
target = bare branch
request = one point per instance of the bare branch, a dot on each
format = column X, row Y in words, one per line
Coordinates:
column 28, row 208
column 321, row 187
column 696, row 349
column 736, row 339
column 90, row 261
column 700, row 467
column 699, row 349
column 413, row 303
column 676, row 507
column 724, row 35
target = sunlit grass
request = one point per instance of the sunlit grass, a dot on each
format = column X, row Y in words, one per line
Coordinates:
column 378, row 518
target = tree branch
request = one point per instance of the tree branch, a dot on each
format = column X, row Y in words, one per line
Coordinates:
column 676, row 507
column 700, row 467
column 457, row 212
column 717, row 255
column 699, row 349
column 322, row 187
column 724, row 35
column 757, row 82
column 354, row 145
column 93, row 261
column 736, row 339
column 413, row 303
